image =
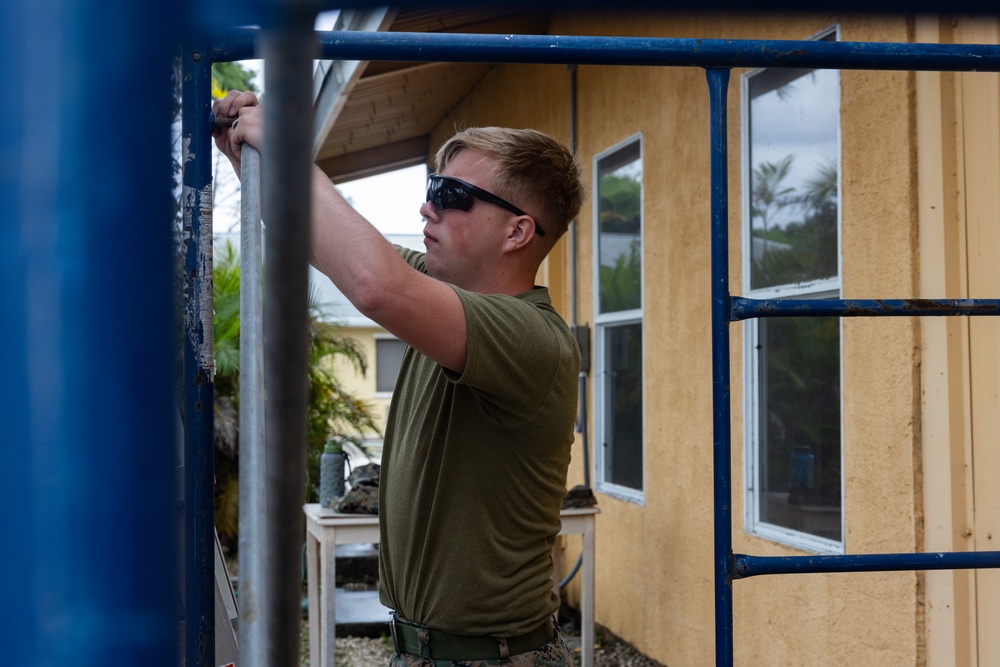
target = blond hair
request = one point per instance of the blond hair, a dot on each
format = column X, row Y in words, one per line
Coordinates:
column 533, row 170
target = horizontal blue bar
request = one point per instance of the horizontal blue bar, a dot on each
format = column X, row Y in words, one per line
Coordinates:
column 239, row 44
column 750, row 566
column 708, row 53
column 234, row 44
column 742, row 308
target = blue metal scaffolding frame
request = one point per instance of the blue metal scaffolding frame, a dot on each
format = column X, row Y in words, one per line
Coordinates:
column 74, row 592
column 717, row 57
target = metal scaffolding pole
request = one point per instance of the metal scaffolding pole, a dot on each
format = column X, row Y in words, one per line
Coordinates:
column 253, row 542
column 288, row 50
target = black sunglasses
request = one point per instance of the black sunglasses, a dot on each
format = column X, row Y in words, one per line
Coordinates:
column 449, row 192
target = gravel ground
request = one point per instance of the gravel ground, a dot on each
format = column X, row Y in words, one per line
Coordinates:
column 361, row 652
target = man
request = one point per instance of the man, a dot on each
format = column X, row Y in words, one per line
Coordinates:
column 479, row 434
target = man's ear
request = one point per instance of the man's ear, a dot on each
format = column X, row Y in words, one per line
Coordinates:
column 521, row 233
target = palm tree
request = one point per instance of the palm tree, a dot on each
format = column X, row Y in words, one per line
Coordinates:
column 332, row 409
column 767, row 193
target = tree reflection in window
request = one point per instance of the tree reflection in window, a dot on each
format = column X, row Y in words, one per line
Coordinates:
column 803, row 248
column 793, row 249
column 620, row 220
column 618, row 296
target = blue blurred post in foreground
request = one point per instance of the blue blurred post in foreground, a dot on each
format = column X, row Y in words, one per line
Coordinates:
column 87, row 351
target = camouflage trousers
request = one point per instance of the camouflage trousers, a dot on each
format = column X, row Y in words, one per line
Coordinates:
column 553, row 654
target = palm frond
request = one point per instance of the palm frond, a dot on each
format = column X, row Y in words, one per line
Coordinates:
column 227, row 425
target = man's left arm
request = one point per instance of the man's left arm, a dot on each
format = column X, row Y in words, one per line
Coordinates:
column 421, row 311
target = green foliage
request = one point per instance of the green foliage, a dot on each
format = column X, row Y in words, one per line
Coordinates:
column 803, row 406
column 620, row 215
column 804, row 246
column 332, row 409
column 232, row 76
column 801, row 367
column 620, row 204
column 621, row 284
column 625, row 388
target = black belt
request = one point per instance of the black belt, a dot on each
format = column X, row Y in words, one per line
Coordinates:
column 437, row 645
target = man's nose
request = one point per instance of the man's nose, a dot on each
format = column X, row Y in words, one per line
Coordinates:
column 428, row 212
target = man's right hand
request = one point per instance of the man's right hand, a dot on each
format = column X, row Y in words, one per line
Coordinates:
column 247, row 127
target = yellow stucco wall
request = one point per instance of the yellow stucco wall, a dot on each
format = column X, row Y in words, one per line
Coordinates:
column 958, row 132
column 654, row 561
column 364, row 387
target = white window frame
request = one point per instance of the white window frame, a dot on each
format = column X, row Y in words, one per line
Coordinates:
column 817, row 289
column 602, row 321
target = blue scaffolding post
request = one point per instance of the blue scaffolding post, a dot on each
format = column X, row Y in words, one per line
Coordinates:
column 87, row 450
column 718, row 81
column 199, row 358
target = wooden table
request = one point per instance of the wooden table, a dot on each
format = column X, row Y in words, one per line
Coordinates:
column 325, row 529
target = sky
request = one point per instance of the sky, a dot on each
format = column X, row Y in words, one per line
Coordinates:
column 390, row 201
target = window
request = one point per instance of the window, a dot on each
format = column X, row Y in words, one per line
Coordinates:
column 791, row 250
column 618, row 320
column 388, row 357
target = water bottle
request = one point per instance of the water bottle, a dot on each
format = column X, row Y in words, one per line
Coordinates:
column 331, row 474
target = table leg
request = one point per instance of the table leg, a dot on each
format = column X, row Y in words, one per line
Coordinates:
column 327, row 593
column 315, row 609
column 587, row 597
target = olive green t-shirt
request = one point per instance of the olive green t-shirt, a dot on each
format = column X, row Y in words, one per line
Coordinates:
column 474, row 471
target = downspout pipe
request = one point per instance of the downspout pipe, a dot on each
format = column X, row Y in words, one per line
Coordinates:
column 581, row 425
column 574, row 290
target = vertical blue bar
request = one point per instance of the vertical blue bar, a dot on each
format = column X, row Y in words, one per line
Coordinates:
column 718, row 81
column 199, row 361
column 87, row 450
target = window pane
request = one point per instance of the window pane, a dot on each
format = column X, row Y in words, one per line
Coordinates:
column 794, row 160
column 388, row 357
column 623, row 400
column 619, row 214
column 799, row 422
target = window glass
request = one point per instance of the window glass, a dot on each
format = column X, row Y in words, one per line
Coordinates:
column 623, row 394
column 618, row 330
column 793, row 198
column 388, row 358
column 799, row 416
column 619, row 217
column 794, row 481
